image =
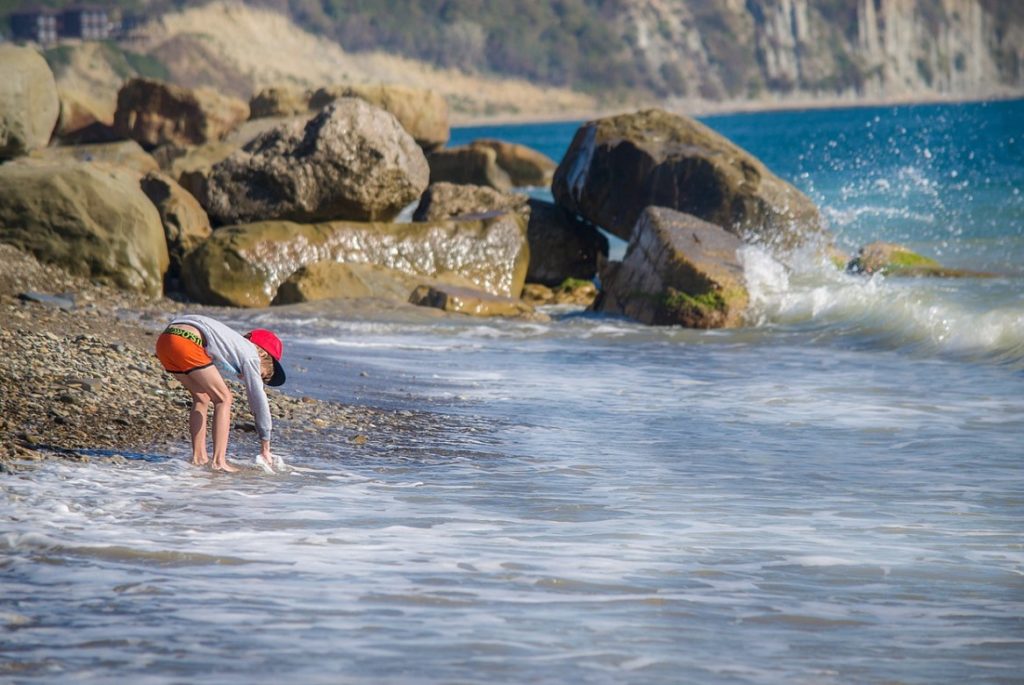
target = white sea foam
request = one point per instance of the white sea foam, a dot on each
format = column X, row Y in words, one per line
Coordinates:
column 929, row 314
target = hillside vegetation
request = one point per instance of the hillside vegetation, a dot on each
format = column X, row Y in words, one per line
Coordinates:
column 509, row 58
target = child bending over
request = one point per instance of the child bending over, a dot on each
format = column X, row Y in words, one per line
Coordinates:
column 195, row 349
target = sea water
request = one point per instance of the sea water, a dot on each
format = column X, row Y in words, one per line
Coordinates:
column 833, row 494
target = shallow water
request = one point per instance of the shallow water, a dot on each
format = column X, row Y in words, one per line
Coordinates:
column 831, row 495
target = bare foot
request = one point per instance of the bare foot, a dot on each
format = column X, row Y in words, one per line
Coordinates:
column 224, row 466
column 200, row 460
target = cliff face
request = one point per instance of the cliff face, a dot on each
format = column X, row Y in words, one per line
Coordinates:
column 875, row 48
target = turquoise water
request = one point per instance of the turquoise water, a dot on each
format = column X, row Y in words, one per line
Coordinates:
column 832, row 494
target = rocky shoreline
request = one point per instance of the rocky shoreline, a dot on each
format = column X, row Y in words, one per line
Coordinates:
column 77, row 372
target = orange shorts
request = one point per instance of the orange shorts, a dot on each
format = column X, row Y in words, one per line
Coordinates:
column 178, row 354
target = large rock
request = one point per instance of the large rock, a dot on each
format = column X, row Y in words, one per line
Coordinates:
column 186, row 225
column 29, row 105
column 156, row 113
column 423, row 113
column 278, row 101
column 91, row 219
column 618, row 166
column 245, row 265
column 892, row 259
column 84, row 119
column 351, row 161
column 678, row 270
column 457, row 300
column 561, row 246
column 124, row 153
column 524, row 165
column 448, row 200
column 335, row 280
column 468, row 165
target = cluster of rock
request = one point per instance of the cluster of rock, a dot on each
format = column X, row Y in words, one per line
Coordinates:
column 295, row 196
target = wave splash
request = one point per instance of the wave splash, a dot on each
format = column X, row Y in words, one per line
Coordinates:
column 977, row 319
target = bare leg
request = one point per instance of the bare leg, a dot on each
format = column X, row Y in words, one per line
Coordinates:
column 209, row 384
column 197, row 428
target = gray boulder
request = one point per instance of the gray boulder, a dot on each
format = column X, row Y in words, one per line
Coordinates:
column 678, row 270
column 29, row 103
column 351, row 161
column 618, row 166
column 421, row 112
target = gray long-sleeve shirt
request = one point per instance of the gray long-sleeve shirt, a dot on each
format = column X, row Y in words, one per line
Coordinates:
column 233, row 354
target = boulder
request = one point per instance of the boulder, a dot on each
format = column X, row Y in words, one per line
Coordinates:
column 618, row 166
column 423, row 113
column 91, row 219
column 571, row 291
column 448, row 200
column 891, row 259
column 29, row 105
column 524, row 165
column 334, row 280
column 468, row 166
column 245, row 265
column 191, row 165
column 458, row 300
column 155, row 113
column 185, row 224
column 124, row 153
column 678, row 270
column 562, row 246
column 351, row 161
column 84, row 119
column 278, row 101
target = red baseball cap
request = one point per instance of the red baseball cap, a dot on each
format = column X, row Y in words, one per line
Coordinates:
column 270, row 344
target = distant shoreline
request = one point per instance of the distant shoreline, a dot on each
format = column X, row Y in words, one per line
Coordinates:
column 706, row 108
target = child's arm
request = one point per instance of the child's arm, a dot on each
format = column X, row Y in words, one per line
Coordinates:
column 259, row 406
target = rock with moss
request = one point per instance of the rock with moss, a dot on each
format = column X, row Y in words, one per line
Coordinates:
column 892, row 259
column 573, row 291
column 91, row 219
column 421, row 112
column 468, row 165
column 524, row 165
column 186, row 225
column 245, row 265
column 678, row 270
column 352, row 161
column 29, row 104
column 459, row 300
column 155, row 113
column 618, row 166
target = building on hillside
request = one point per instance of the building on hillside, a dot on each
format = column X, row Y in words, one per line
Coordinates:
column 40, row 26
column 87, row 23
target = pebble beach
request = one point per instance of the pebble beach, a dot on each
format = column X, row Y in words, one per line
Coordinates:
column 78, row 375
